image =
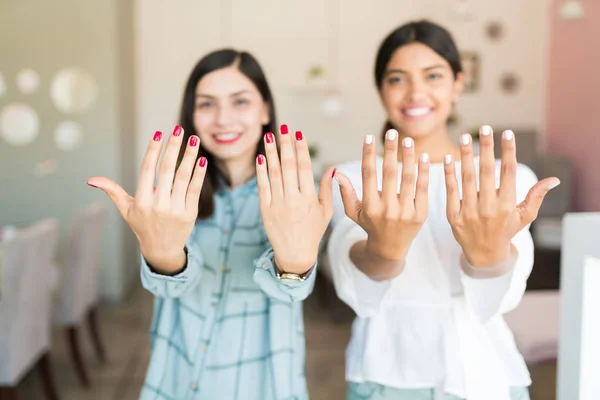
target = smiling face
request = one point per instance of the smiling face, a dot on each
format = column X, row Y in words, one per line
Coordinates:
column 229, row 113
column 418, row 90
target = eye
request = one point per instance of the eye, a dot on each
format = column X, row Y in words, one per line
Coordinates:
column 434, row 76
column 204, row 104
column 395, row 79
column 241, row 102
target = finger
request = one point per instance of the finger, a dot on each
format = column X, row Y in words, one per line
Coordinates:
column 195, row 187
column 289, row 167
column 369, row 172
column 184, row 172
column 508, row 174
column 452, row 195
column 262, row 179
column 116, row 193
column 528, row 209
column 305, row 172
column 352, row 205
column 409, row 176
column 389, row 189
column 487, row 168
column 325, row 192
column 422, row 192
column 469, row 178
column 166, row 171
column 145, row 190
column 273, row 167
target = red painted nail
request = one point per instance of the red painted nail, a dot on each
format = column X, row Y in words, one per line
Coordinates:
column 269, row 137
column 94, row 186
column 333, row 173
column 177, row 131
column 157, row 136
column 284, row 129
column 298, row 135
column 193, row 141
column 202, row 161
column 261, row 159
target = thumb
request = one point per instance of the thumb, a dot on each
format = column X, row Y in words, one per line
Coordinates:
column 352, row 204
column 116, row 193
column 529, row 208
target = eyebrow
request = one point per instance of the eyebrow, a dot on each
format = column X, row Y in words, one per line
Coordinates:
column 213, row 97
column 401, row 71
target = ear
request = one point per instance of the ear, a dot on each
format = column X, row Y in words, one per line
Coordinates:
column 459, row 86
column 265, row 119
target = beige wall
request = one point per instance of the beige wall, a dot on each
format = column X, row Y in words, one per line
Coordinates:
column 289, row 36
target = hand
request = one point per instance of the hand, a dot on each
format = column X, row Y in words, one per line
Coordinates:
column 162, row 218
column 294, row 218
column 392, row 220
column 485, row 222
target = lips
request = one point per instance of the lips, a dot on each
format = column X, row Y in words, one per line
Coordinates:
column 226, row 137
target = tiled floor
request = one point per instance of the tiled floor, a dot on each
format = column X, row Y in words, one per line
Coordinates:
column 124, row 330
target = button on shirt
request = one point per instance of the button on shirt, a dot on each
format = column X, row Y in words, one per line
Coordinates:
column 226, row 327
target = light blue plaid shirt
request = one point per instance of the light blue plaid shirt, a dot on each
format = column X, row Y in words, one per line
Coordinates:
column 226, row 327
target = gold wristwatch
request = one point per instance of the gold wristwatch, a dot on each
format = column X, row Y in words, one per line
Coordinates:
column 291, row 276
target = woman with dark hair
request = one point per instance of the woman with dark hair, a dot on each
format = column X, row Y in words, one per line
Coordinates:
column 437, row 248
column 229, row 240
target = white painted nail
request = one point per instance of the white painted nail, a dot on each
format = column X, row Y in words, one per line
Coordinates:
column 555, row 184
column 391, row 134
column 486, row 130
column 408, row 142
column 465, row 139
column 369, row 139
column 425, row 157
column 508, row 135
column 448, row 158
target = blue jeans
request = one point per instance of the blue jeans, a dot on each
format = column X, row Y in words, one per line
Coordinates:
column 374, row 391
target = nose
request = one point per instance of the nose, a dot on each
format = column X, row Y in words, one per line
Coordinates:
column 417, row 90
column 224, row 116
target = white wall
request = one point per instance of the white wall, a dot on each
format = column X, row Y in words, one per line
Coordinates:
column 288, row 36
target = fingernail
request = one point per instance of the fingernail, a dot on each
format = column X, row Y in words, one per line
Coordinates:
column 284, row 129
column 261, row 159
column 193, row 141
column 486, row 130
column 508, row 135
column 425, row 157
column 555, row 184
column 333, row 173
column 157, row 136
column 407, row 142
column 369, row 139
column 94, row 186
column 202, row 162
column 298, row 135
column 465, row 139
column 269, row 137
column 391, row 134
column 448, row 158
column 177, row 131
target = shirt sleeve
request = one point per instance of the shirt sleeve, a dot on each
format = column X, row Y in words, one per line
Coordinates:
column 352, row 286
column 500, row 289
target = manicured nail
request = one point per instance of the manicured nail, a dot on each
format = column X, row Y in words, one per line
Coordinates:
column 391, row 134
column 284, row 129
column 333, row 173
column 269, row 137
column 298, row 135
column 369, row 139
column 157, row 136
column 94, row 186
column 407, row 142
column 448, row 158
column 202, row 161
column 555, row 184
column 425, row 157
column 486, row 130
column 193, row 141
column 465, row 139
column 177, row 131
column 261, row 159
column 508, row 135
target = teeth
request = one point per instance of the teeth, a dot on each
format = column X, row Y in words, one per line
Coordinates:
column 417, row 112
column 226, row 136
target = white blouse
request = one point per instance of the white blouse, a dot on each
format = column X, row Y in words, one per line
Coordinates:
column 433, row 326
